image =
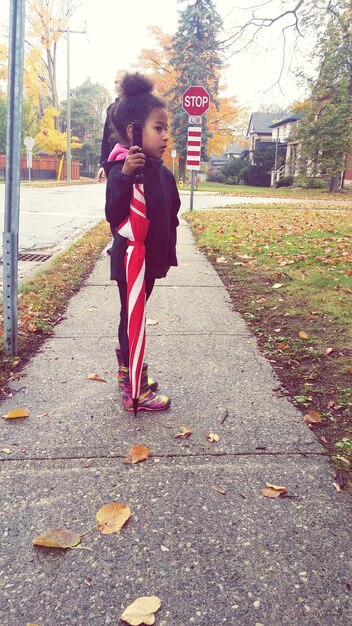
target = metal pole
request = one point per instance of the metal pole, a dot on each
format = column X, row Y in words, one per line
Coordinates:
column 68, row 152
column 277, row 139
column 13, row 171
column 192, row 190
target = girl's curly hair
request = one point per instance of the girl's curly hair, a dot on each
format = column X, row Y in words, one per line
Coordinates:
column 136, row 100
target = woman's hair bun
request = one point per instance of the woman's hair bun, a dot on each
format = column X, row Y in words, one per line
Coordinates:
column 135, row 85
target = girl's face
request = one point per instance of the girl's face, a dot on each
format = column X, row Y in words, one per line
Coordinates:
column 155, row 133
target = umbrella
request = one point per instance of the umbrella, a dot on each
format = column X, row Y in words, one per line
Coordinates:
column 135, row 229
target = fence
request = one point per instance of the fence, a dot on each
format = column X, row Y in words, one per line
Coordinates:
column 43, row 168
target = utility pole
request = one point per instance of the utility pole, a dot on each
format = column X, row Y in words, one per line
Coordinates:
column 13, row 171
column 68, row 114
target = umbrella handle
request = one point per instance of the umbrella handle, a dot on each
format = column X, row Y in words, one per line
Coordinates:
column 137, row 140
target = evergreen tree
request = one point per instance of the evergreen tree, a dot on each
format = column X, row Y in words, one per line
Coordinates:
column 197, row 61
column 325, row 132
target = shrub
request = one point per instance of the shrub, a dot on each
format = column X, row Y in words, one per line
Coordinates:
column 316, row 183
column 215, row 176
column 285, row 181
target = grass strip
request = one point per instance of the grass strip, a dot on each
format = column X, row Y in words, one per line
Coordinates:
column 44, row 298
column 289, row 273
column 271, row 192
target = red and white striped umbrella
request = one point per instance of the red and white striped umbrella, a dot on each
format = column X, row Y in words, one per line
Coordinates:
column 135, row 229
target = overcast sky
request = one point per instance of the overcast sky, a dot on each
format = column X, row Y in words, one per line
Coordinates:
column 117, row 30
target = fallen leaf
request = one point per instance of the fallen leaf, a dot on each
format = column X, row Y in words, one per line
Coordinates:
column 213, row 437
column 42, row 415
column 273, row 491
column 184, row 432
column 312, row 417
column 261, row 300
column 219, row 489
column 328, row 350
column 141, row 611
column 136, row 454
column 283, row 346
column 221, row 259
column 6, row 450
column 303, row 335
column 96, row 377
column 18, row 412
column 277, row 285
column 112, row 516
column 343, row 459
column 58, row 538
column 152, row 322
column 337, row 487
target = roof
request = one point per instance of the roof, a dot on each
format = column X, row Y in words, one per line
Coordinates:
column 261, row 122
column 288, row 118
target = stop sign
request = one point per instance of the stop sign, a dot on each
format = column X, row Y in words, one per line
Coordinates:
column 196, row 100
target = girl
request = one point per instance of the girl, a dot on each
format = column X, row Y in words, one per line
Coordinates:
column 138, row 102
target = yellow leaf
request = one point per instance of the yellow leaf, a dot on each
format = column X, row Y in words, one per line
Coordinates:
column 58, row 538
column 303, row 335
column 184, row 432
column 312, row 417
column 18, row 412
column 219, row 489
column 96, row 377
column 6, row 450
column 213, row 437
column 337, row 487
column 141, row 611
column 277, row 285
column 152, row 322
column 136, row 454
column 112, row 516
column 273, row 491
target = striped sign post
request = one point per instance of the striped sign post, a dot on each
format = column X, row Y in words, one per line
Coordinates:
column 194, row 139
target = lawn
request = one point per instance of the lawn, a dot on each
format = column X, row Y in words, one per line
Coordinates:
column 289, row 273
column 271, row 192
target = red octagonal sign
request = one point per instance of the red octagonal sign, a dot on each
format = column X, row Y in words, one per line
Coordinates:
column 196, row 100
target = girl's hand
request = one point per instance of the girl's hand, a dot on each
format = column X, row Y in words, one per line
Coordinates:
column 135, row 160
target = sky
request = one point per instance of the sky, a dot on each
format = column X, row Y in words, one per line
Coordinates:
column 117, row 31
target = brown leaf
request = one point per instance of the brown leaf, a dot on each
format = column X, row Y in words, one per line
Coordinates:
column 96, row 377
column 213, row 437
column 219, row 489
column 112, row 516
column 273, row 491
column 18, row 412
column 283, row 346
column 141, row 611
column 58, row 538
column 303, row 335
column 337, row 487
column 184, row 432
column 312, row 417
column 136, row 454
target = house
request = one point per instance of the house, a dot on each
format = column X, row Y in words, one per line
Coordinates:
column 234, row 151
column 281, row 131
column 259, row 129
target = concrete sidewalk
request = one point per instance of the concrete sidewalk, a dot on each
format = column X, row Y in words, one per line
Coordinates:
column 237, row 559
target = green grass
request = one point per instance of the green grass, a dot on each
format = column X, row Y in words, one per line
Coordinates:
column 308, row 253
column 271, row 192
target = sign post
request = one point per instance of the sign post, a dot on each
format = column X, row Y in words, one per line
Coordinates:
column 29, row 143
column 173, row 154
column 195, row 101
column 12, row 180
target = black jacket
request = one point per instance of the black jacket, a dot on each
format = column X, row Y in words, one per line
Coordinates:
column 162, row 202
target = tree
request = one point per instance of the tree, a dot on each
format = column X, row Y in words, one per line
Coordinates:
column 51, row 140
column 197, row 61
column 29, row 121
column 325, row 132
column 89, row 102
column 47, row 20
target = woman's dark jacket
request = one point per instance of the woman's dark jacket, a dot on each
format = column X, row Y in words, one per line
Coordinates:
column 162, row 202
